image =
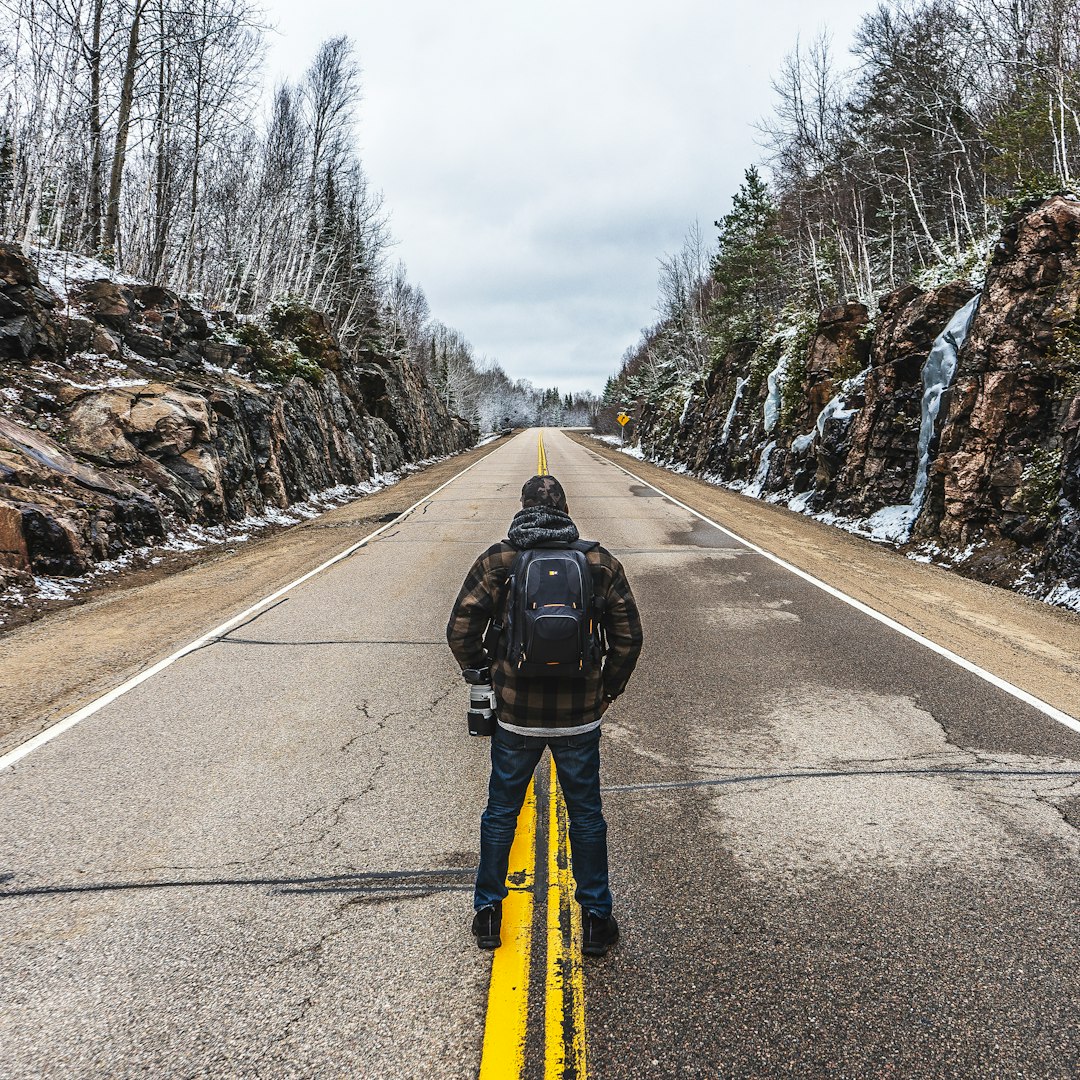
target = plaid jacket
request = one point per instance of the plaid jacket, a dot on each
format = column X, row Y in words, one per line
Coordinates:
column 545, row 705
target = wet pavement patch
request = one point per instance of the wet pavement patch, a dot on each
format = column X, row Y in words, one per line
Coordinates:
column 702, row 534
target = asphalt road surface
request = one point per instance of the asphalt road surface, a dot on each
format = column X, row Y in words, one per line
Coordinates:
column 834, row 852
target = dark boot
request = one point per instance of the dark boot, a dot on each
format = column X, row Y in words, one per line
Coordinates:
column 597, row 934
column 485, row 926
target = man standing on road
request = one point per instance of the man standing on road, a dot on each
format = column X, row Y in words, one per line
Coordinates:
column 562, row 712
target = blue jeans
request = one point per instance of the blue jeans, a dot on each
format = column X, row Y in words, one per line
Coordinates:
column 577, row 761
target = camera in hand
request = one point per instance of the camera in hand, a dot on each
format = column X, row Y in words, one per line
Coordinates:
column 481, row 701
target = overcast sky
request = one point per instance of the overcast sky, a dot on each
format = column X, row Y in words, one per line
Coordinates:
column 538, row 159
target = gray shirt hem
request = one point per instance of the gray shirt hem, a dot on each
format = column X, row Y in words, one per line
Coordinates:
column 550, row 732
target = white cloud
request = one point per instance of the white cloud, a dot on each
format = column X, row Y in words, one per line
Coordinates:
column 537, row 160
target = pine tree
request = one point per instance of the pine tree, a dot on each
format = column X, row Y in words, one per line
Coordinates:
column 748, row 269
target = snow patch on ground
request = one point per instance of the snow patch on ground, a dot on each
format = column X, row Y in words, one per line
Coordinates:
column 1064, row 596
column 892, row 523
column 630, row 451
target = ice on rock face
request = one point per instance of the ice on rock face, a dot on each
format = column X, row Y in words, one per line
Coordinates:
column 1063, row 596
column 895, row 522
column 740, row 386
column 773, row 400
column 937, row 376
column 757, row 485
column 685, row 409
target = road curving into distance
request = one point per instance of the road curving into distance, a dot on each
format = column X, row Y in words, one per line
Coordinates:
column 834, row 850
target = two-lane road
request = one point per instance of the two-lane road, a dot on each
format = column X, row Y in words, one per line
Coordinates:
column 834, row 851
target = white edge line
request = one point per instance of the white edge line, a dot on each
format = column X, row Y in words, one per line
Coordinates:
column 1029, row 699
column 54, row 730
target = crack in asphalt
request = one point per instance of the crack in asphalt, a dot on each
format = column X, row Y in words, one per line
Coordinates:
column 375, row 882
column 313, row 952
column 335, row 812
column 955, row 764
column 1047, row 799
column 247, row 622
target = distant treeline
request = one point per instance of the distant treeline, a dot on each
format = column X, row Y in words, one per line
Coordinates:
column 139, row 131
column 894, row 165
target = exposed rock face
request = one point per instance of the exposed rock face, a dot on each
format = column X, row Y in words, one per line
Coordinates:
column 125, row 411
column 58, row 515
column 1003, row 495
column 837, row 349
column 997, row 476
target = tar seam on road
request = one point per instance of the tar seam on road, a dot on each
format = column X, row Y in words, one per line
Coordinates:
column 54, row 730
column 752, row 778
column 503, row 1053
column 1022, row 695
column 381, row 881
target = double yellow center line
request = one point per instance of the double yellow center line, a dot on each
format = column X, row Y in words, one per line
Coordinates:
column 506, row 1027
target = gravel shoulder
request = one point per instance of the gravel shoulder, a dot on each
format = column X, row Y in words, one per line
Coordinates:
column 69, row 656
column 1032, row 645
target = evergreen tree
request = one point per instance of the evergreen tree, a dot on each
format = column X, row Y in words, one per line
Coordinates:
column 748, row 269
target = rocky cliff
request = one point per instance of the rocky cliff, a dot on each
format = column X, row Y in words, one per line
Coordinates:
column 127, row 411
column 949, row 423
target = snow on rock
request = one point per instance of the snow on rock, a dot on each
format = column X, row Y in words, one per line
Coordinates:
column 61, row 270
column 835, row 410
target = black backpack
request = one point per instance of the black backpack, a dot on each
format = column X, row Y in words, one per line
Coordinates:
column 552, row 623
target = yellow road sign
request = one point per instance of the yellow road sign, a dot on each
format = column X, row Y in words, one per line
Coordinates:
column 623, row 419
